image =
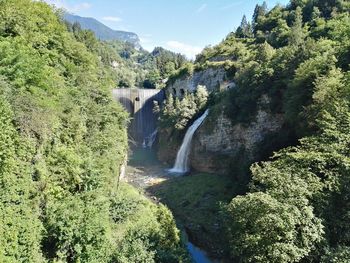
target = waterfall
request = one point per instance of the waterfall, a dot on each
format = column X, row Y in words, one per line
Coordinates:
column 182, row 164
column 151, row 138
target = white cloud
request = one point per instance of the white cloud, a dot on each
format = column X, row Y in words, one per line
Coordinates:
column 201, row 8
column 70, row 8
column 188, row 50
column 112, row 19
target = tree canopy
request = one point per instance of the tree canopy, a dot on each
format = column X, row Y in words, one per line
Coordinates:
column 62, row 142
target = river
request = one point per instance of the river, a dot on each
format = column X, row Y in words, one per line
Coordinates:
column 143, row 171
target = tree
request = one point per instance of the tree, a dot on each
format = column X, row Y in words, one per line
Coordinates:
column 340, row 254
column 265, row 52
column 297, row 34
column 151, row 80
column 62, row 141
column 245, row 29
column 263, row 229
column 201, row 97
column 259, row 12
column 20, row 228
column 303, row 188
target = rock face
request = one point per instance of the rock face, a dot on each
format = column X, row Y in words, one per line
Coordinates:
column 215, row 143
column 168, row 146
column 218, row 143
column 212, row 78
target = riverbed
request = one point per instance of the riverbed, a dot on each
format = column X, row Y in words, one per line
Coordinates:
column 145, row 171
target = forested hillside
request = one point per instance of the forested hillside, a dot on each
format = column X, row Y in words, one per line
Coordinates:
column 62, row 143
column 131, row 67
column 292, row 62
column 145, row 69
column 102, row 31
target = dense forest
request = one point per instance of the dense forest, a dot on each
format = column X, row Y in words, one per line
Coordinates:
column 62, row 142
column 131, row 66
column 145, row 69
column 293, row 61
column 63, row 139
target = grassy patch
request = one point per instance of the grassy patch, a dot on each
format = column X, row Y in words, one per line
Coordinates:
column 195, row 201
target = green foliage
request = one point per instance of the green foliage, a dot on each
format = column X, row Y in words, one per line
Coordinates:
column 198, row 208
column 302, row 189
column 62, row 142
column 148, row 234
column 262, row 229
column 141, row 68
column 297, row 35
column 185, row 71
column 245, row 29
column 259, row 12
column 78, row 229
column 296, row 65
column 201, row 97
column 20, row 228
column 177, row 113
column 339, row 255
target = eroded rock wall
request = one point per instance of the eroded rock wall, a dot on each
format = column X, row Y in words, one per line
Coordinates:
column 211, row 78
column 215, row 144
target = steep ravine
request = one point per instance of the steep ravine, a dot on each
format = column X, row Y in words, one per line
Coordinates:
column 147, row 174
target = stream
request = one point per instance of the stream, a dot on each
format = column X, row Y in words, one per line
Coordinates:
column 143, row 171
column 197, row 254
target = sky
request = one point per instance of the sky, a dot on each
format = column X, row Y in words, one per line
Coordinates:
column 184, row 26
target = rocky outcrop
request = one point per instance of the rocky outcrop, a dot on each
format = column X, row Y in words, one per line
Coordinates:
column 168, row 145
column 212, row 78
column 216, row 143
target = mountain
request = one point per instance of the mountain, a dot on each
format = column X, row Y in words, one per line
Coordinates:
column 102, row 31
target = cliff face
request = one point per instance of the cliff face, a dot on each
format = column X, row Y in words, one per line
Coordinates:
column 168, row 146
column 212, row 78
column 216, row 143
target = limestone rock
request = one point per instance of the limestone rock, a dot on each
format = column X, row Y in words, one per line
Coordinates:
column 210, row 77
column 215, row 143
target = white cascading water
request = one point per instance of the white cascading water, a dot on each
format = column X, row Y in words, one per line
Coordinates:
column 181, row 164
column 150, row 139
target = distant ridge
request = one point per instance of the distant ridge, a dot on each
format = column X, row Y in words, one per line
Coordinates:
column 102, row 31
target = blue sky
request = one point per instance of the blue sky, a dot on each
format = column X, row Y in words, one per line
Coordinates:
column 184, row 26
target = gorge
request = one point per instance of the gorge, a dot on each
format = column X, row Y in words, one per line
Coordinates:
column 112, row 153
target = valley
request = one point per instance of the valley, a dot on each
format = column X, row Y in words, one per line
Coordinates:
column 195, row 210
column 111, row 153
